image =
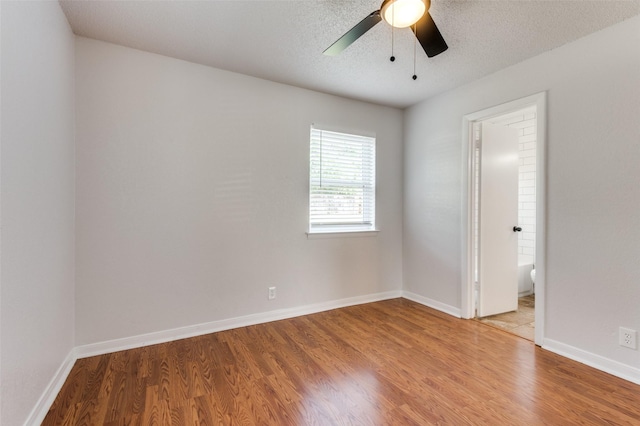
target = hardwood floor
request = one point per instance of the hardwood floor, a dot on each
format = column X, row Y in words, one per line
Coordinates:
column 393, row 362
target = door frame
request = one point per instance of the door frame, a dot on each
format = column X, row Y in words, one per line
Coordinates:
column 467, row 296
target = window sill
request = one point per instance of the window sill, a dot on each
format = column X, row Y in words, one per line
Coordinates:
column 312, row 235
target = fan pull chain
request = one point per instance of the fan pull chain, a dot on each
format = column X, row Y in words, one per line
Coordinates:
column 392, row 58
column 415, row 43
column 393, row 19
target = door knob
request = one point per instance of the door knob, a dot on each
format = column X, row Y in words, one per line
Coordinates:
column 517, row 229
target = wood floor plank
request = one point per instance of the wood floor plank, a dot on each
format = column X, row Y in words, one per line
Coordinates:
column 386, row 363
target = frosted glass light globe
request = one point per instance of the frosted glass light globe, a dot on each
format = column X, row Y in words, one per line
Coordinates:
column 403, row 13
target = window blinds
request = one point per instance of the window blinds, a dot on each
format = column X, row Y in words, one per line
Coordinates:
column 342, row 181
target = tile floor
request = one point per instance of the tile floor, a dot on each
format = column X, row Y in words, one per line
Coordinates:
column 520, row 322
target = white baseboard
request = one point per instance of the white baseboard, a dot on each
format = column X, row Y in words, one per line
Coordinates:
column 439, row 306
column 41, row 408
column 598, row 362
column 115, row 345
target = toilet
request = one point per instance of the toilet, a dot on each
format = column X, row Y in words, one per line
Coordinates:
column 533, row 277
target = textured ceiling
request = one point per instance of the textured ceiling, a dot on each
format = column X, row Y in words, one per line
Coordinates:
column 283, row 41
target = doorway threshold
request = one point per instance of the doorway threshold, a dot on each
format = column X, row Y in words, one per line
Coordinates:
column 520, row 322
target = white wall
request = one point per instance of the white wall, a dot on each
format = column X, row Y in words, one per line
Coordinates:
column 37, row 193
column 192, row 196
column 593, row 194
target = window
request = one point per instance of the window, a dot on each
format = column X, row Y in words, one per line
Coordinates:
column 342, row 182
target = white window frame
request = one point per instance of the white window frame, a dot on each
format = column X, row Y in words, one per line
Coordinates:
column 343, row 220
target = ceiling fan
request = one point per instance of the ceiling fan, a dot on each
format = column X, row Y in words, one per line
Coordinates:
column 398, row 14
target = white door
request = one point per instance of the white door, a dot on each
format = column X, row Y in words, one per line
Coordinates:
column 498, row 245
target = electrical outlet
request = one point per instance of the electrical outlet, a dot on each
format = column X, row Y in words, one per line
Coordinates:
column 628, row 338
column 272, row 293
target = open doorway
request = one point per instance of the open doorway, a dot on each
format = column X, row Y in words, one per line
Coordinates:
column 503, row 225
column 505, row 222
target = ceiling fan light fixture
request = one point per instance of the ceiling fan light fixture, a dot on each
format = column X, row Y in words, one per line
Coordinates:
column 403, row 13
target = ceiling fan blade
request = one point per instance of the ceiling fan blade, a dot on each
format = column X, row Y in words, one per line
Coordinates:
column 429, row 36
column 354, row 33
